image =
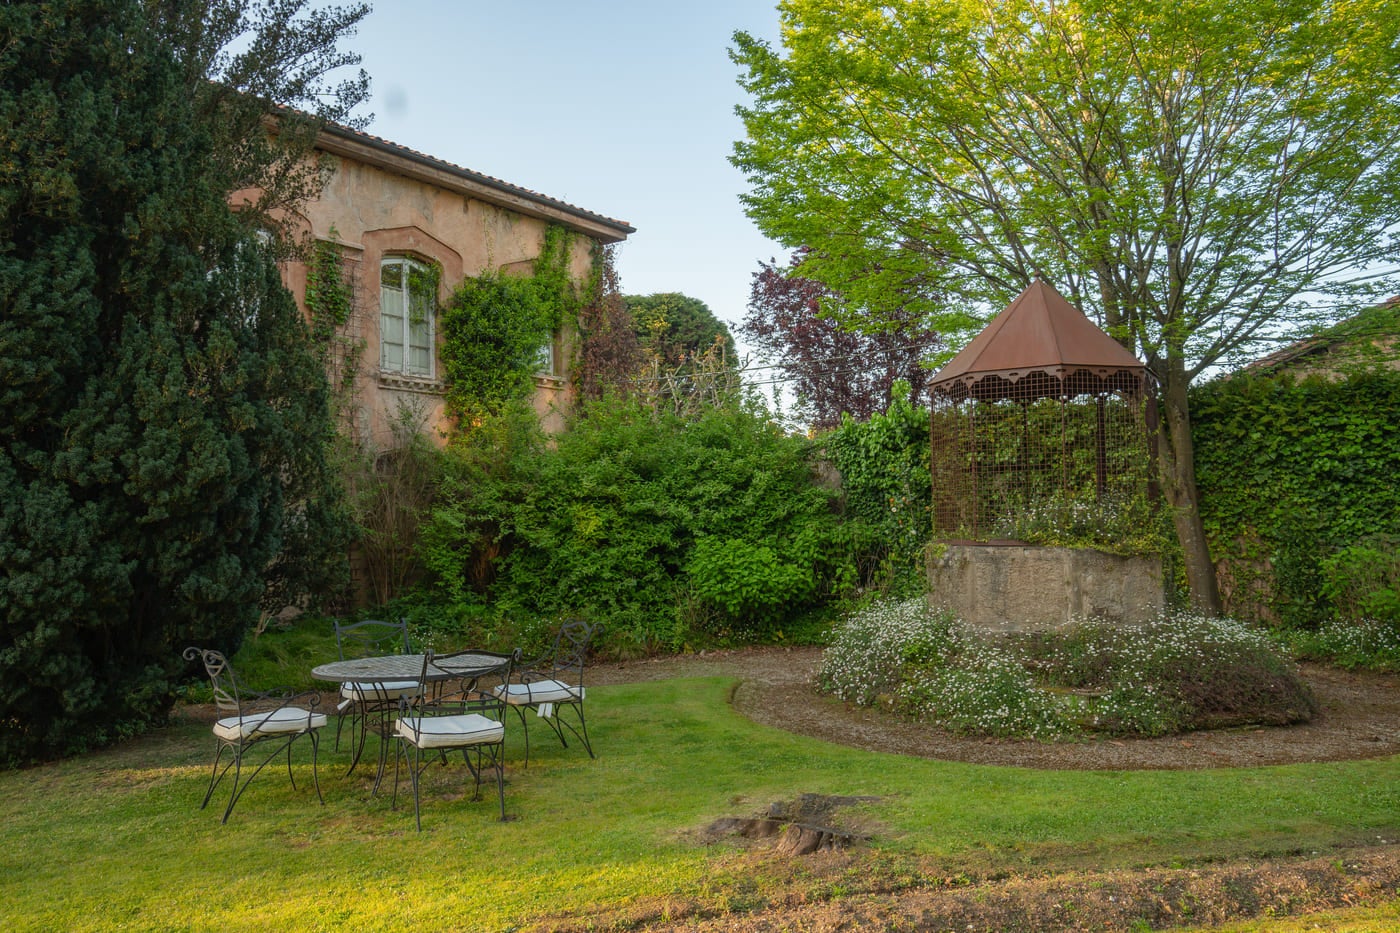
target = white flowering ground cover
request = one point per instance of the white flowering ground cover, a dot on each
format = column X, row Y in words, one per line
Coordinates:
column 1369, row 643
column 1177, row 673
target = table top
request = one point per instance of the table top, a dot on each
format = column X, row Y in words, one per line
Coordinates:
column 401, row 667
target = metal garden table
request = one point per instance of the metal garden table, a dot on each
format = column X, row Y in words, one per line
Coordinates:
column 375, row 672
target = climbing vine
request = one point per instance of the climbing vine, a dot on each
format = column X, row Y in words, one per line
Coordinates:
column 495, row 325
column 1292, row 473
column 884, row 468
column 328, row 295
column 330, row 303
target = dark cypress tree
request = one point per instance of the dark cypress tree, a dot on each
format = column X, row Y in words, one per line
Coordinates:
column 162, row 412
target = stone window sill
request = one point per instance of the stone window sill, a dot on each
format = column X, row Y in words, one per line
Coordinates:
column 545, row 381
column 406, row 383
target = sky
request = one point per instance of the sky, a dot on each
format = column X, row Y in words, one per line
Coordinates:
column 624, row 108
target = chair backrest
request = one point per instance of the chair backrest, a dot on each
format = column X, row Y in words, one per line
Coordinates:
column 466, row 681
column 571, row 648
column 221, row 678
column 372, row 638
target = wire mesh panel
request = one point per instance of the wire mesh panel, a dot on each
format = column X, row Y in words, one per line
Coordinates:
column 1040, row 431
column 1024, row 463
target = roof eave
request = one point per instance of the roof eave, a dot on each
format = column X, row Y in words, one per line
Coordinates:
column 347, row 143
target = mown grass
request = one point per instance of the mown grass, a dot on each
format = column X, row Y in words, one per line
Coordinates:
column 1360, row 920
column 115, row 840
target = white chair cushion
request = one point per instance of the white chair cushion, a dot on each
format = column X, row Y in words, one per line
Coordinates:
column 380, row 690
column 541, row 691
column 450, row 731
column 286, row 719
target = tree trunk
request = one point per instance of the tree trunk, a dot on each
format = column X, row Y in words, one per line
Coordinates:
column 1178, row 474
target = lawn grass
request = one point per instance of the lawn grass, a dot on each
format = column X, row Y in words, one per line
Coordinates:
column 115, row 840
column 1360, row 920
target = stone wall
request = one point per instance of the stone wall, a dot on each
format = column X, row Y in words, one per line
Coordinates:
column 1017, row 587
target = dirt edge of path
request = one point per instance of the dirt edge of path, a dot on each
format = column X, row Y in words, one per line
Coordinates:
column 1359, row 717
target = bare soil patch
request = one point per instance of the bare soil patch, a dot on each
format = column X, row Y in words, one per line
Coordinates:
column 1359, row 717
column 1151, row 899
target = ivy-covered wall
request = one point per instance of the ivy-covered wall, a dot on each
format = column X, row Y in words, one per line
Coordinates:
column 1294, row 473
column 495, row 324
column 383, row 202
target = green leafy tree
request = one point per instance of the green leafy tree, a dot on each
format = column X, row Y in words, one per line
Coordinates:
column 1196, row 176
column 686, row 354
column 163, row 413
column 241, row 60
column 677, row 327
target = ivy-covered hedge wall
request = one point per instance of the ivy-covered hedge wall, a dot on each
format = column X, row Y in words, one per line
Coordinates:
column 884, row 469
column 1292, row 474
column 494, row 326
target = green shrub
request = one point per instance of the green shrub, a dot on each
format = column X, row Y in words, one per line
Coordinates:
column 884, row 466
column 484, row 477
column 608, row 523
column 746, row 581
column 1185, row 672
column 1363, row 581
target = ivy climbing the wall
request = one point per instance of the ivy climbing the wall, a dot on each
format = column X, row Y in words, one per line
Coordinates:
column 884, row 469
column 495, row 325
column 1293, row 475
column 328, row 295
column 330, row 303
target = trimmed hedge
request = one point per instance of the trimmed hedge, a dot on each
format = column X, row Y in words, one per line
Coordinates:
column 1292, row 473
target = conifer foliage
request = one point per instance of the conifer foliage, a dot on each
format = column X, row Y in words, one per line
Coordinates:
column 162, row 413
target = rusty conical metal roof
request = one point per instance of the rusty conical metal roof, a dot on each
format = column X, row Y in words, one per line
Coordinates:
column 1040, row 346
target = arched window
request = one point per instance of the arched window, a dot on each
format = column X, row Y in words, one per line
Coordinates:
column 407, row 299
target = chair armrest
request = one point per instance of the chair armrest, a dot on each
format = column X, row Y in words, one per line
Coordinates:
column 273, row 700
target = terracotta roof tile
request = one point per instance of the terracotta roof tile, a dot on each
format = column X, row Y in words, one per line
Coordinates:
column 388, row 146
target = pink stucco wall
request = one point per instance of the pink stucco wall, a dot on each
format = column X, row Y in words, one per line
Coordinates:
column 375, row 207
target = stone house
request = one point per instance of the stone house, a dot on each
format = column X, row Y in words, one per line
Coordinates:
column 1370, row 338
column 391, row 211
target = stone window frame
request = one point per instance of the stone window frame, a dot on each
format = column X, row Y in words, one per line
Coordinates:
column 406, row 242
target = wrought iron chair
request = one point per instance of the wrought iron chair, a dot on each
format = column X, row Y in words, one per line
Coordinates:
column 277, row 719
column 363, row 702
column 457, row 707
column 553, row 683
